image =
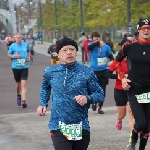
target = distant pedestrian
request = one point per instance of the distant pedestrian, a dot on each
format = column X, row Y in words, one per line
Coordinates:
column 86, row 50
column 52, row 51
column 110, row 44
column 81, row 39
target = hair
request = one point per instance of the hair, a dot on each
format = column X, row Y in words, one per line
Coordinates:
column 82, row 33
column 95, row 34
column 18, row 34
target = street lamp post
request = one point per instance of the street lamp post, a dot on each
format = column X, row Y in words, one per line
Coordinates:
column 129, row 15
column 30, row 2
column 81, row 16
column 41, row 28
column 21, row 7
column 56, row 23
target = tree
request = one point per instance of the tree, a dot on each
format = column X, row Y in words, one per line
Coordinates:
column 48, row 16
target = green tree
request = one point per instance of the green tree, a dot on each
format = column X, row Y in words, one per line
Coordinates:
column 48, row 16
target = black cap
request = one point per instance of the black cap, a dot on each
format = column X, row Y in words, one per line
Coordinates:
column 64, row 41
column 142, row 22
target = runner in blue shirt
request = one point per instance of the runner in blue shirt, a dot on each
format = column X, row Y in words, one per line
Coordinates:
column 100, row 55
column 20, row 56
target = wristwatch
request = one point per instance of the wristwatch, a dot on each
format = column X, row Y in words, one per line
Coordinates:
column 89, row 99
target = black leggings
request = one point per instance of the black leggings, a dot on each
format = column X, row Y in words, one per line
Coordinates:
column 141, row 113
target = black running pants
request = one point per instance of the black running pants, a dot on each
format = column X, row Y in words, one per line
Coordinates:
column 141, row 113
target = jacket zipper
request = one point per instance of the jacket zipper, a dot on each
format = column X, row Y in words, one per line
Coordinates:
column 65, row 77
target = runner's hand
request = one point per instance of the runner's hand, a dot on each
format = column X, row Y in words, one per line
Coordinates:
column 41, row 110
column 125, row 84
column 28, row 59
column 17, row 56
column 81, row 100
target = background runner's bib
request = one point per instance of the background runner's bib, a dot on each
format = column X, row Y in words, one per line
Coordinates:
column 71, row 131
column 21, row 62
column 143, row 98
column 102, row 61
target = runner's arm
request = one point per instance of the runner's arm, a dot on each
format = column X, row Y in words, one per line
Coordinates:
column 28, row 51
column 121, row 55
column 10, row 53
column 45, row 89
column 109, row 74
column 91, row 45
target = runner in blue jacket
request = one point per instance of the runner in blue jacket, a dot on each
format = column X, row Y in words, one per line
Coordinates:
column 75, row 87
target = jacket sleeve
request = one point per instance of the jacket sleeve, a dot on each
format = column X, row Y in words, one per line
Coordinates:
column 45, row 89
column 121, row 55
column 92, row 45
column 49, row 50
column 95, row 91
column 109, row 74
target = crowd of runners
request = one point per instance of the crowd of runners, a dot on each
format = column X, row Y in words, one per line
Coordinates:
column 74, row 87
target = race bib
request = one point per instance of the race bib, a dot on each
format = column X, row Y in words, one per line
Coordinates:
column 21, row 62
column 71, row 131
column 102, row 61
column 143, row 98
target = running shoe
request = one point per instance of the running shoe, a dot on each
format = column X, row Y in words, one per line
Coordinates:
column 100, row 111
column 24, row 104
column 129, row 142
column 94, row 107
column 19, row 100
column 119, row 124
column 131, row 146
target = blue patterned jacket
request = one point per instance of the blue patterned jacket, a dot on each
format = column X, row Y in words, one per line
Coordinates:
column 66, row 83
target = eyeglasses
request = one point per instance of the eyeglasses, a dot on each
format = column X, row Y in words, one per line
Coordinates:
column 66, row 49
column 145, row 28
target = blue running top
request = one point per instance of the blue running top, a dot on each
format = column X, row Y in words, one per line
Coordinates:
column 21, row 49
column 99, row 57
column 68, row 82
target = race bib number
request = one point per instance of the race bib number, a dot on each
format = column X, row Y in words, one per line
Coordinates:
column 71, row 131
column 102, row 61
column 21, row 62
column 143, row 98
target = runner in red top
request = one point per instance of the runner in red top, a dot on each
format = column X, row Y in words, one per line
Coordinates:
column 120, row 96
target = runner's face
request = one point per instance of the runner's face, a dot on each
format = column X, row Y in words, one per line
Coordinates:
column 96, row 39
column 67, row 54
column 18, row 38
column 144, row 32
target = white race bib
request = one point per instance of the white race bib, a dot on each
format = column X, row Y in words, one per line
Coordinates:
column 102, row 61
column 21, row 62
column 143, row 98
column 71, row 131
